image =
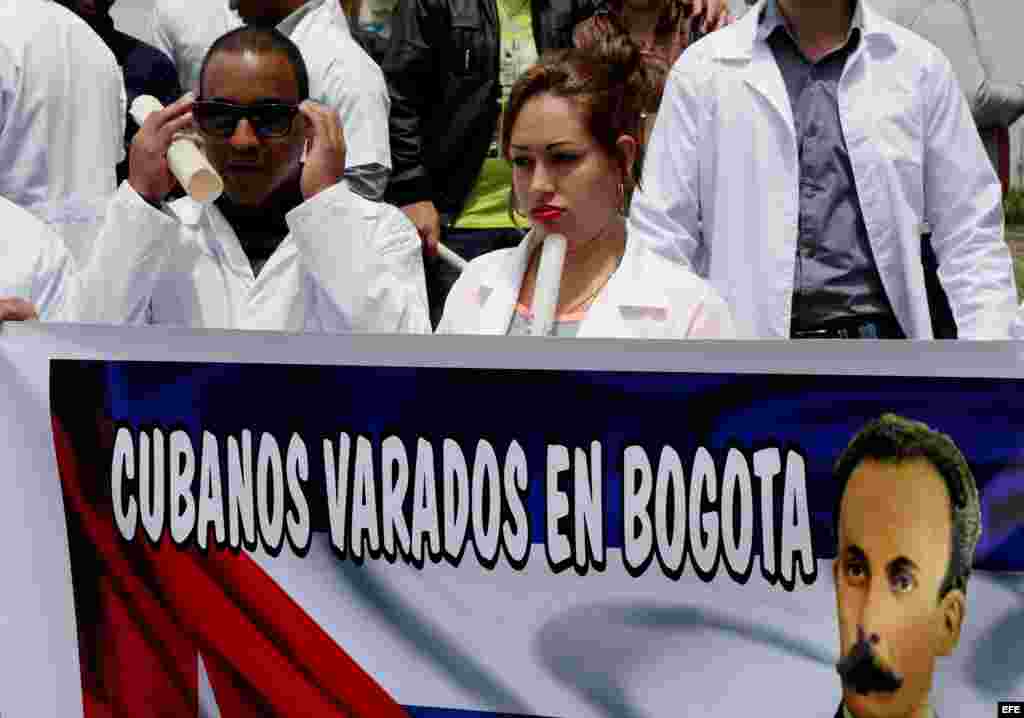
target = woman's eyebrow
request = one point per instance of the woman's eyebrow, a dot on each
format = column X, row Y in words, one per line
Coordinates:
column 549, row 146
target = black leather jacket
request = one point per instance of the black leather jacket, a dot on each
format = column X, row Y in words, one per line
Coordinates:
column 441, row 67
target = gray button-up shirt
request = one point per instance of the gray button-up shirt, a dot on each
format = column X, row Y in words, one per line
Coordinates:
column 835, row 274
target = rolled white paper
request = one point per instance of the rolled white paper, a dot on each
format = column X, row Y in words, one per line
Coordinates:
column 451, row 257
column 549, row 281
column 187, row 162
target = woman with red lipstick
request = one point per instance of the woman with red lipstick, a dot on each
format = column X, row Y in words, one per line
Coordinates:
column 570, row 133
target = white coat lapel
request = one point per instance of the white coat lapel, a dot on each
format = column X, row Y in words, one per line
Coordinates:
column 764, row 76
column 867, row 92
column 741, row 43
column 223, row 240
column 499, row 289
column 631, row 305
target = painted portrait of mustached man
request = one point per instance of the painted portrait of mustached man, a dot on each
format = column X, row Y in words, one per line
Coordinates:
column 908, row 520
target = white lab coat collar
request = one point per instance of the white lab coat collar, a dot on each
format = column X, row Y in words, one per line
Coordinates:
column 499, row 287
column 187, row 210
column 739, row 41
column 225, row 242
column 742, row 41
column 626, row 299
column 220, row 239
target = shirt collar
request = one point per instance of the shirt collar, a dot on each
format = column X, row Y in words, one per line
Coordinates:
column 771, row 19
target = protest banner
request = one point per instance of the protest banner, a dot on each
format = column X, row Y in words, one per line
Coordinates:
column 271, row 525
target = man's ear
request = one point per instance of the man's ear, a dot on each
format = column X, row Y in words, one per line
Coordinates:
column 951, row 619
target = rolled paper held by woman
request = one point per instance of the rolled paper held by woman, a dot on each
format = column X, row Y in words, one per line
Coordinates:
column 187, row 162
column 549, row 281
column 449, row 256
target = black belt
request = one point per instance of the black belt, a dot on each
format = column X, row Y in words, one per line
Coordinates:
column 853, row 328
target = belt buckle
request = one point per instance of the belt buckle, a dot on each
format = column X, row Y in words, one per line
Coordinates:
column 869, row 330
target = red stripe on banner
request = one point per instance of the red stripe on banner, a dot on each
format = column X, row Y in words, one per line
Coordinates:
column 154, row 608
column 92, row 708
column 125, row 628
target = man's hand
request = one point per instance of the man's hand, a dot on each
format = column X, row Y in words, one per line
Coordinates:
column 325, row 160
column 16, row 310
column 716, row 14
column 428, row 223
column 148, row 171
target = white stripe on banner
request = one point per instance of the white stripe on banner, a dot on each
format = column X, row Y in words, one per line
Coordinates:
column 208, row 707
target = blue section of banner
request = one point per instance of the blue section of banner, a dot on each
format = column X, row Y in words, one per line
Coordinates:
column 814, row 416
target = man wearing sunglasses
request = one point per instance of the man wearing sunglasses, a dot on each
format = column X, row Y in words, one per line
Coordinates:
column 341, row 74
column 288, row 246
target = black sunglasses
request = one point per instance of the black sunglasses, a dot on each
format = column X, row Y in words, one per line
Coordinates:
column 268, row 119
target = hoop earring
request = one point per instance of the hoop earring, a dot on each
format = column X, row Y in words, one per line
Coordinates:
column 513, row 208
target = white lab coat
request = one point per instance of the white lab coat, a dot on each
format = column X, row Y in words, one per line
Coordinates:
column 185, row 29
column 347, row 264
column 721, row 179
column 648, row 297
column 1017, row 330
column 35, row 264
column 341, row 74
column 62, row 116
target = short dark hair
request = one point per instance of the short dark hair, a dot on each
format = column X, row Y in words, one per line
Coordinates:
column 260, row 39
column 896, row 439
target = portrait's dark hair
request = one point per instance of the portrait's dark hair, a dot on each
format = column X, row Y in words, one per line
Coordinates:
column 892, row 438
column 257, row 39
column 610, row 84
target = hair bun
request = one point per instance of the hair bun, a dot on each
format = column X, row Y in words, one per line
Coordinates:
column 627, row 67
column 622, row 53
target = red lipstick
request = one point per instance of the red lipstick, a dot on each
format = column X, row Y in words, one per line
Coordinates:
column 547, row 213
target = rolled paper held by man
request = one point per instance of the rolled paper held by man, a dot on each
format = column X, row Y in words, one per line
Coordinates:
column 549, row 281
column 187, row 162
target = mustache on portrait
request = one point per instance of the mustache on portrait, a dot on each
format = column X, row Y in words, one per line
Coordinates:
column 863, row 671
